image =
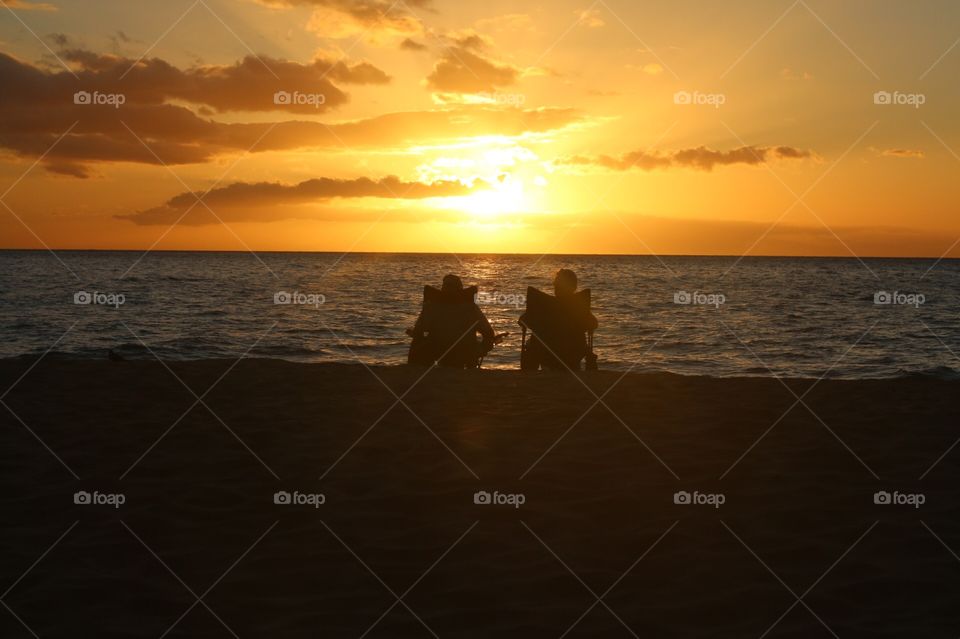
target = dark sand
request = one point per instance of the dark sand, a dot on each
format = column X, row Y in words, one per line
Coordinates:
column 398, row 502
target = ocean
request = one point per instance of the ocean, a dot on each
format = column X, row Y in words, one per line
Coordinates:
column 714, row 316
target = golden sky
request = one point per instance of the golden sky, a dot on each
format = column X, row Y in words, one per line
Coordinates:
column 793, row 127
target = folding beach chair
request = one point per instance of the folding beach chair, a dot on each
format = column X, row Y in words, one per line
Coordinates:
column 561, row 336
column 447, row 330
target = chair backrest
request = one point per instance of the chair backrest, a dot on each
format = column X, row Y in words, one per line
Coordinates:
column 434, row 295
column 546, row 313
column 447, row 317
column 560, row 323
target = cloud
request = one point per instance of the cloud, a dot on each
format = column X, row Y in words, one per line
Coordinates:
column 370, row 11
column 701, row 158
column 412, row 45
column 263, row 201
column 24, row 5
column 59, row 39
column 590, row 18
column 469, row 39
column 117, row 41
column 177, row 136
column 465, row 68
column 249, row 84
column 343, row 18
column 650, row 68
column 914, row 154
column 37, row 107
column 69, row 169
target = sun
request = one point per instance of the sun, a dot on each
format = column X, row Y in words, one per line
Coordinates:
column 505, row 196
column 508, row 178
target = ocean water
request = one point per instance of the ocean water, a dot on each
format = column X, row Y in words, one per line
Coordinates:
column 790, row 317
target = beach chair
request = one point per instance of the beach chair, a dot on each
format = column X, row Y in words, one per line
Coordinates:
column 561, row 332
column 445, row 336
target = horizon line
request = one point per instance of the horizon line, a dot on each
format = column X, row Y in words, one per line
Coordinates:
column 453, row 253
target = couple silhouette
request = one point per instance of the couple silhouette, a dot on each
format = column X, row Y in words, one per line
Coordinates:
column 453, row 331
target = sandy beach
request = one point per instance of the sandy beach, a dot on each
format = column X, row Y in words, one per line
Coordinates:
column 583, row 503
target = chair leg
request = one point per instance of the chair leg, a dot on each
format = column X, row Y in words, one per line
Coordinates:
column 528, row 359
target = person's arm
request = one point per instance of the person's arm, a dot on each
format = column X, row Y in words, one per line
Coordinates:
column 483, row 326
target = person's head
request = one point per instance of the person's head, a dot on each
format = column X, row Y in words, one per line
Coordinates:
column 452, row 284
column 565, row 282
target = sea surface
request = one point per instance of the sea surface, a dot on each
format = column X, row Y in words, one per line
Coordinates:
column 755, row 316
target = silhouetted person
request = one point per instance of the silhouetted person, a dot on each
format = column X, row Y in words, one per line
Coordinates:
column 562, row 326
column 446, row 331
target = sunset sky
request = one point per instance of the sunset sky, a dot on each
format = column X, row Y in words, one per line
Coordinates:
column 620, row 126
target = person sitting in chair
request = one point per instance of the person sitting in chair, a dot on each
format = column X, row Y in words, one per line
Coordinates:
column 562, row 326
column 446, row 331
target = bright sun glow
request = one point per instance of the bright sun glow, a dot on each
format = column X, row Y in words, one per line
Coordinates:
column 511, row 177
column 506, row 196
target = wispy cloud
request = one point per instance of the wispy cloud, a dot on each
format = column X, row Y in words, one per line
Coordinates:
column 701, row 158
column 913, row 154
column 249, row 84
column 264, row 201
column 591, row 18
column 25, row 5
column 344, row 18
column 412, row 45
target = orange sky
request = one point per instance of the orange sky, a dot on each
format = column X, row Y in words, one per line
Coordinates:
column 685, row 127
